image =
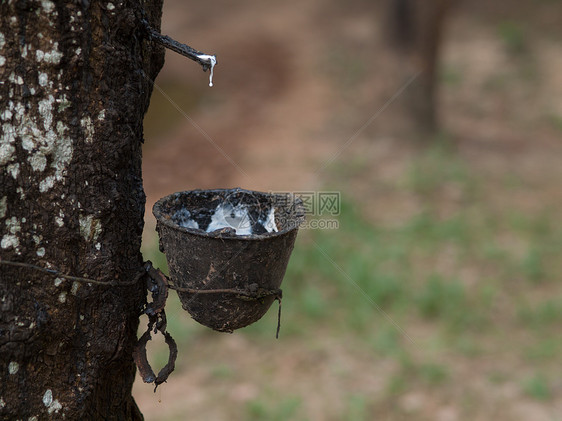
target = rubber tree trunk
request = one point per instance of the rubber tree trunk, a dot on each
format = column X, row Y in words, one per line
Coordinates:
column 417, row 29
column 73, row 93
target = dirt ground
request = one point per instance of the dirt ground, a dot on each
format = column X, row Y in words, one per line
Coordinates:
column 299, row 89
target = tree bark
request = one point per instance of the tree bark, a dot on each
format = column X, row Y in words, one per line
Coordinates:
column 72, row 100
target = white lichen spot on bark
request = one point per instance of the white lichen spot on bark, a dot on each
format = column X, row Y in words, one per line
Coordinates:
column 15, row 79
column 90, row 228
column 46, row 111
column 55, row 407
column 75, row 287
column 43, row 79
column 2, row 403
column 59, row 221
column 33, row 418
column 63, row 153
column 38, row 161
column 110, row 6
column 63, row 102
column 37, row 135
column 6, row 115
column 19, row 110
column 52, row 405
column 41, row 251
column 48, row 6
column 88, row 127
column 53, row 57
column 47, row 141
column 27, row 142
column 2, row 60
column 58, row 281
column 98, row 246
column 101, row 115
column 13, row 225
column 47, row 183
column 13, row 367
column 48, row 397
column 62, row 297
column 14, row 170
column 78, row 51
column 11, row 240
column 3, row 206
column 2, row 40
column 8, row 133
column 6, row 152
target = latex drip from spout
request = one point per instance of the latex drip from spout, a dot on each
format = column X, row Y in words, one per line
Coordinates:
column 212, row 61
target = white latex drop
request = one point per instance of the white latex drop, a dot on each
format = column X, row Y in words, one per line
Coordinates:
column 183, row 219
column 269, row 223
column 227, row 216
column 191, row 224
column 212, row 61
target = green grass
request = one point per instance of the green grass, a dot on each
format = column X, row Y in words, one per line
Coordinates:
column 357, row 408
column 386, row 341
column 451, row 76
column 222, row 372
column 437, row 169
column 538, row 315
column 513, row 37
column 537, row 387
column 264, row 408
column 442, row 299
column 545, row 349
column 433, row 374
column 555, row 121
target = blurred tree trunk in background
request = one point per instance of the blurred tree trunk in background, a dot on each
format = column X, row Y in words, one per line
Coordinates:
column 72, row 99
column 417, row 28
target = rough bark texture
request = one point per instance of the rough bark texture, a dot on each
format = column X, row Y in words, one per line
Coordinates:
column 72, row 103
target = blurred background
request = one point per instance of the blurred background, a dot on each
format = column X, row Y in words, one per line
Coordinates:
column 439, row 295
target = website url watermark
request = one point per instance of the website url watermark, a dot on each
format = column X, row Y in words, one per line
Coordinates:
column 321, row 208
